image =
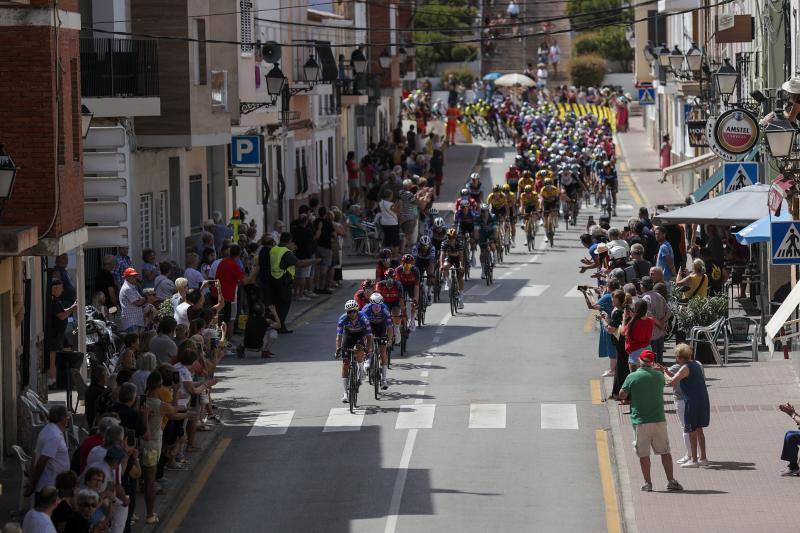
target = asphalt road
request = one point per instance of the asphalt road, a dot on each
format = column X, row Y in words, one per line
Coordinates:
column 488, row 425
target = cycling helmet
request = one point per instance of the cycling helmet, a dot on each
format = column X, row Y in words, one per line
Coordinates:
column 606, row 163
column 367, row 283
column 528, row 188
column 452, row 233
column 433, row 212
column 407, row 259
column 496, row 188
column 548, row 181
column 485, row 207
column 439, row 222
column 464, row 192
column 389, row 274
column 526, row 173
column 376, row 298
column 542, row 174
column 386, row 253
column 474, row 176
column 351, row 305
column 506, row 187
column 425, row 241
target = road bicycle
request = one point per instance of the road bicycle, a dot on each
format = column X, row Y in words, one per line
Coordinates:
column 352, row 376
column 530, row 232
column 437, row 281
column 453, row 291
column 550, row 225
column 607, row 201
column 405, row 330
column 375, row 364
column 486, row 262
column 423, row 300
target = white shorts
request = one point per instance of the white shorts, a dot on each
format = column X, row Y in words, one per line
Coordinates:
column 652, row 435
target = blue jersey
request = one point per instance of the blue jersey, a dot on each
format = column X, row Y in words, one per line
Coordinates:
column 359, row 327
column 429, row 254
column 383, row 316
column 608, row 177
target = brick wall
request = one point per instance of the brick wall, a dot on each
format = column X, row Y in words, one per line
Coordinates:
column 378, row 17
column 29, row 128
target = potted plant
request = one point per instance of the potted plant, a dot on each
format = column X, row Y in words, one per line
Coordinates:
column 700, row 312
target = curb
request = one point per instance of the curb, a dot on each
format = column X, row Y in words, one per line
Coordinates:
column 622, row 475
column 182, row 481
column 635, row 183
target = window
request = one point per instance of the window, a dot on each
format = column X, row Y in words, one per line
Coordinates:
column 163, row 227
column 246, row 27
column 330, row 161
column 321, row 165
column 219, row 89
column 201, row 75
column 196, row 202
column 146, row 220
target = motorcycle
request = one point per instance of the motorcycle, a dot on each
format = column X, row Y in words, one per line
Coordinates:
column 103, row 339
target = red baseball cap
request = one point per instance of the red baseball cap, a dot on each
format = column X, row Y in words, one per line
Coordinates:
column 647, row 356
column 129, row 272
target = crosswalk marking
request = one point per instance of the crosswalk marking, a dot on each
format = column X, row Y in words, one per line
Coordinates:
column 271, row 423
column 415, row 416
column 532, row 290
column 559, row 416
column 487, row 416
column 482, row 289
column 341, row 419
column 574, row 293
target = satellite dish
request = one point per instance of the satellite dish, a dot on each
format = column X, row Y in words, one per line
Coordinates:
column 271, row 52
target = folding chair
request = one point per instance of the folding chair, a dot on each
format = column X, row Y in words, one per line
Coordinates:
column 737, row 332
column 24, row 466
column 710, row 334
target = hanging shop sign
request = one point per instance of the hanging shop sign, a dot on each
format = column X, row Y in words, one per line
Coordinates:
column 696, row 130
column 733, row 133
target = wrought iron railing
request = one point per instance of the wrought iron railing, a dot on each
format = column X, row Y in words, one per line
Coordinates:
column 119, row 68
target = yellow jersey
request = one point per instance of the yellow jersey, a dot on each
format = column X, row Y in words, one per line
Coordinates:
column 511, row 198
column 549, row 194
column 529, row 198
column 523, row 182
column 496, row 200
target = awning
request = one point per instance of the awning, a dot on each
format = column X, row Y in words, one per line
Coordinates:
column 738, row 208
column 759, row 231
column 695, row 163
column 781, row 315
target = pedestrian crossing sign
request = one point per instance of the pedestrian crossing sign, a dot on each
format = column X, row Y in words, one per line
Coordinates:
column 785, row 242
column 647, row 96
column 739, row 174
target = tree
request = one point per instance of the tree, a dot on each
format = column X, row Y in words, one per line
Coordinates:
column 585, row 14
column 437, row 14
column 608, row 42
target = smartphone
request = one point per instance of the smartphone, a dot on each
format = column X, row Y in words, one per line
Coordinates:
column 214, row 343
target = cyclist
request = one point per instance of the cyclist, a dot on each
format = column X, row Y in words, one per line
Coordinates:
column 550, row 198
column 465, row 197
column 487, row 227
column 353, row 332
column 380, row 320
column 570, row 186
column 409, row 278
column 498, row 200
column 513, row 174
column 511, row 203
column 438, row 234
column 453, row 256
column 390, row 290
column 465, row 220
column 475, row 188
column 526, row 179
column 384, row 263
column 424, row 259
column 608, row 178
column 529, row 207
column 362, row 295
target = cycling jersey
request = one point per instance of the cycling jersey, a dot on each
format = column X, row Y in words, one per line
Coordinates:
column 390, row 290
column 452, row 250
column 438, row 234
column 496, row 200
column 379, row 320
column 475, row 191
column 418, row 253
column 347, row 325
column 408, row 278
column 549, row 193
column 608, row 177
column 511, row 199
column 486, row 228
column 473, row 205
column 361, row 297
column 529, row 199
column 523, row 182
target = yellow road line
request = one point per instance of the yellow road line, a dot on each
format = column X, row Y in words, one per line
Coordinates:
column 588, row 324
column 597, row 397
column 622, row 166
column 609, row 490
column 634, row 190
column 186, row 503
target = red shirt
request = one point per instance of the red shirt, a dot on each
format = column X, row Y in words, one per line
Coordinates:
column 229, row 274
column 361, row 298
column 409, row 277
column 639, row 335
column 390, row 294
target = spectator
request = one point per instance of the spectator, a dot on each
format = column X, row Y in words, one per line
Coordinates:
column 260, row 332
column 351, row 167
column 56, row 326
column 645, row 388
column 149, row 268
column 80, row 521
column 51, row 456
column 104, row 281
column 541, row 75
column 186, row 358
column 123, row 262
column 716, row 273
column 131, row 302
column 694, row 284
column 613, row 325
column 303, row 237
column 209, row 255
column 283, row 265
column 411, row 137
column 112, row 462
column 555, row 56
column 62, row 262
column 606, row 347
column 389, row 222
column 638, row 330
column 181, row 289
column 190, row 308
column 659, row 311
column 164, row 286
column 638, row 266
column 38, row 520
column 697, row 410
column 145, row 365
column 206, row 238
column 278, row 227
column 680, row 408
column 408, row 214
column 97, row 395
column 665, row 259
column 220, row 231
column 665, row 152
column 323, row 238
column 192, row 273
column 66, row 482
column 163, row 344
column 230, row 275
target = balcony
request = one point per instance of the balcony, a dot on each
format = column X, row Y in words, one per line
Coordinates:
column 119, row 77
column 355, row 91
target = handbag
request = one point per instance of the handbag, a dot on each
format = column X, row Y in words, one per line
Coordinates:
column 699, row 286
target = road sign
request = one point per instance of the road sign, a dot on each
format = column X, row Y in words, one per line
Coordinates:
column 739, row 174
column 246, row 150
column 785, row 242
column 246, row 172
column 647, row 96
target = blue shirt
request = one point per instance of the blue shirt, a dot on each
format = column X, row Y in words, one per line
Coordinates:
column 383, row 316
column 665, row 250
column 359, row 327
column 417, row 252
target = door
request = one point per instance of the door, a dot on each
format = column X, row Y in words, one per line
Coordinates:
column 7, row 375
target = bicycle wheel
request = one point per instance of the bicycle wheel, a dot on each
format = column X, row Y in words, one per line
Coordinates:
column 421, row 311
column 353, row 384
column 403, row 340
column 453, row 300
column 376, row 373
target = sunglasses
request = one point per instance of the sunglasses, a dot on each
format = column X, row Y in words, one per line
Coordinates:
column 88, row 504
column 352, row 312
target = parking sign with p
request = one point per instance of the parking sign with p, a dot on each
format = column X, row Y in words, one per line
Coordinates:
column 246, row 150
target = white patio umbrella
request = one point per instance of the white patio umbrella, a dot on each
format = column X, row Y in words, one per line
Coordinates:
column 510, row 80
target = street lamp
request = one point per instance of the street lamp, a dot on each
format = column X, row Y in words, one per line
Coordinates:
column 275, row 81
column 311, row 69
column 8, row 171
column 676, row 59
column 663, row 56
column 726, row 76
column 358, row 61
column 780, row 136
column 402, row 55
column 649, row 52
column 694, row 58
column 385, row 59
column 411, row 50
column 86, row 120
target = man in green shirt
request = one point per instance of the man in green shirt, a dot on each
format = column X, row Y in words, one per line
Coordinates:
column 645, row 388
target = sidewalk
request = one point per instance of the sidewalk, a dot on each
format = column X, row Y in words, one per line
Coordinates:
column 741, row 490
column 641, row 168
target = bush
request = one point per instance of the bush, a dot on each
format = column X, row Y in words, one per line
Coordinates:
column 464, row 76
column 585, row 44
column 588, row 70
column 701, row 312
column 463, row 52
column 609, row 42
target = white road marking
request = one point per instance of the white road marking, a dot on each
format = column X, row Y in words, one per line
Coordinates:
column 400, row 482
column 428, row 357
column 483, row 289
column 487, row 416
column 436, row 339
column 574, row 293
column 532, row 290
column 559, row 416
column 445, row 320
column 271, row 423
column 424, row 374
column 341, row 419
column 415, row 416
column 420, row 392
column 428, row 363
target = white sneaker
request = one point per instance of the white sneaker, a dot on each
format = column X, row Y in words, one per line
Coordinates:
column 608, row 373
column 472, row 262
column 384, row 384
column 446, row 286
column 702, row 462
column 512, row 244
column 684, row 459
column 460, row 303
column 690, row 464
column 345, row 398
